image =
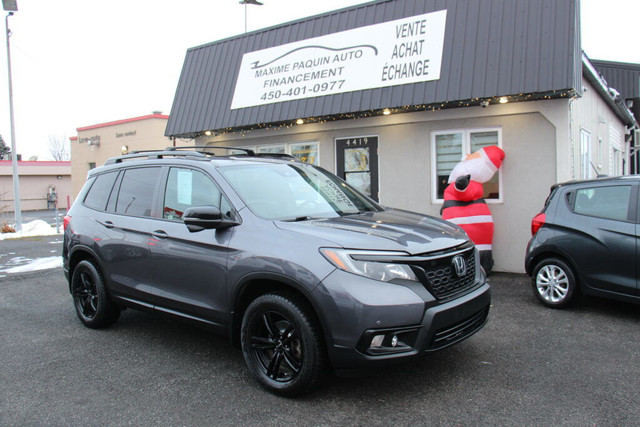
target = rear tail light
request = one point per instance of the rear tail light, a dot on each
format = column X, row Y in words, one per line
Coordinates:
column 65, row 221
column 537, row 222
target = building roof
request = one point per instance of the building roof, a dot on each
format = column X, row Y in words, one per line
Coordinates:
column 491, row 48
column 119, row 122
column 609, row 93
column 622, row 76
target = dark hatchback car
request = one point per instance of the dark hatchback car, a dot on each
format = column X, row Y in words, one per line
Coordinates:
column 291, row 263
column 586, row 239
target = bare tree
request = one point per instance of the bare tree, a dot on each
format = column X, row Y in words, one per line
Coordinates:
column 4, row 150
column 59, row 147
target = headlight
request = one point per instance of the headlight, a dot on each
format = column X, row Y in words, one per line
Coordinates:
column 356, row 262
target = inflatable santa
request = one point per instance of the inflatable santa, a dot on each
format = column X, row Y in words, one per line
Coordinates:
column 463, row 202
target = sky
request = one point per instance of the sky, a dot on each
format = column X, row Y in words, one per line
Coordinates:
column 77, row 63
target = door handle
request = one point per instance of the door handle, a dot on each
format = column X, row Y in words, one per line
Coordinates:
column 107, row 224
column 160, row 234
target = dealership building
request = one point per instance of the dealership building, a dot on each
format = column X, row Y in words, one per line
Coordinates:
column 390, row 95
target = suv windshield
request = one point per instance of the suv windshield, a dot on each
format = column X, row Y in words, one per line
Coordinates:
column 294, row 191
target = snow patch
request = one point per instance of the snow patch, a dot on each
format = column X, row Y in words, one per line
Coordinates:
column 30, row 229
column 36, row 264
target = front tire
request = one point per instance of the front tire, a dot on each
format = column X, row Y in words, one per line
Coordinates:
column 282, row 344
column 554, row 283
column 90, row 297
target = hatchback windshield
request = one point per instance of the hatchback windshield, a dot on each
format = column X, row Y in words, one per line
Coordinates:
column 294, row 191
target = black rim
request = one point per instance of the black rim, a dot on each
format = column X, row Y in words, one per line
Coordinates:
column 276, row 346
column 86, row 295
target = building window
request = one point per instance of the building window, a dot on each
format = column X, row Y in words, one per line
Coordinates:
column 585, row 154
column 278, row 149
column 616, row 144
column 600, row 151
column 449, row 147
column 304, row 151
column 92, row 165
column 616, row 162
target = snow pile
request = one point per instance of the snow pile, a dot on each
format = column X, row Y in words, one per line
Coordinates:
column 33, row 228
column 36, row 264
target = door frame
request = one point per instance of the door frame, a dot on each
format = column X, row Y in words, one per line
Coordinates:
column 375, row 174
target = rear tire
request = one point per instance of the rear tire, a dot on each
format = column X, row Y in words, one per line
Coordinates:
column 554, row 283
column 282, row 344
column 90, row 297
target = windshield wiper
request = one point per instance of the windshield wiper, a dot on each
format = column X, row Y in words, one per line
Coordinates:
column 298, row 219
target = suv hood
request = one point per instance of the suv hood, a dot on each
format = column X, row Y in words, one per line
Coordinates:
column 392, row 230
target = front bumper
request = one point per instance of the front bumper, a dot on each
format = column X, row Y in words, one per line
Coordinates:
column 413, row 314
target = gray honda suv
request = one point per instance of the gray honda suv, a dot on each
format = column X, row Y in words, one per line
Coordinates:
column 292, row 264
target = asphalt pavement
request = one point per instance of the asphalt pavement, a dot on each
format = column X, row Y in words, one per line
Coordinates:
column 529, row 366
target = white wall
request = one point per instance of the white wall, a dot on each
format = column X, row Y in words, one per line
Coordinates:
column 534, row 140
column 593, row 115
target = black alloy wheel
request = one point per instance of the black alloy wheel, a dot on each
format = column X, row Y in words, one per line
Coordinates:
column 282, row 344
column 86, row 295
column 92, row 303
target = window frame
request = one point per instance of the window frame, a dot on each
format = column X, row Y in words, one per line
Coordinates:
column 287, row 148
column 162, row 192
column 109, row 194
column 466, row 150
column 154, row 199
column 585, row 154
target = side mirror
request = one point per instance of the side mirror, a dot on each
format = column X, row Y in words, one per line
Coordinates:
column 205, row 217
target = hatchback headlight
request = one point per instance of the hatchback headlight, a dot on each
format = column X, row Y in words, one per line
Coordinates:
column 356, row 262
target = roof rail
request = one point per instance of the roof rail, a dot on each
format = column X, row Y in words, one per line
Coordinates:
column 277, row 156
column 152, row 154
column 209, row 147
column 197, row 153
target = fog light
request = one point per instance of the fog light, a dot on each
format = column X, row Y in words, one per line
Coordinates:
column 394, row 341
column 377, row 341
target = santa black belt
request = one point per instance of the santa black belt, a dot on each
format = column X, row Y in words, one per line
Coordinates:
column 458, row 203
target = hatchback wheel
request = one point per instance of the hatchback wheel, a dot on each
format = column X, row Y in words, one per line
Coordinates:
column 93, row 306
column 554, row 283
column 282, row 344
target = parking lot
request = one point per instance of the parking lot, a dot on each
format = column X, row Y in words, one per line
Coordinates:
column 529, row 366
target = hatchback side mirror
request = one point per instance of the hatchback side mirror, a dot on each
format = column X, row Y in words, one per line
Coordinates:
column 205, row 217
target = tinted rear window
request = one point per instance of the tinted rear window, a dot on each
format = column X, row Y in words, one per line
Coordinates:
column 604, row 202
column 100, row 190
column 137, row 191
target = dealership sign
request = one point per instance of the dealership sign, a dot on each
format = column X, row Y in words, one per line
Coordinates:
column 407, row 50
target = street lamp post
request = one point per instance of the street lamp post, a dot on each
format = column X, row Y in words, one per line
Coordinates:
column 14, row 156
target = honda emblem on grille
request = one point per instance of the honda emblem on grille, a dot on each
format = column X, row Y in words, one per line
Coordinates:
column 459, row 265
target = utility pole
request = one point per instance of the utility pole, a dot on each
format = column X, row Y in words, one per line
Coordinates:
column 245, row 3
column 11, row 6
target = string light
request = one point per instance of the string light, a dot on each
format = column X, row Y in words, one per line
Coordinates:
column 472, row 102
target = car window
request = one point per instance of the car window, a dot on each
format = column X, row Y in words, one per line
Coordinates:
column 604, row 202
column 294, row 190
column 100, row 190
column 137, row 190
column 187, row 188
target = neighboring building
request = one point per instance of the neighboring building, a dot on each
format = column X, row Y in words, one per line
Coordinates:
column 625, row 78
column 97, row 143
column 43, row 185
column 394, row 102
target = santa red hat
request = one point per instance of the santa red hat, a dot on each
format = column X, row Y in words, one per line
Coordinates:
column 495, row 155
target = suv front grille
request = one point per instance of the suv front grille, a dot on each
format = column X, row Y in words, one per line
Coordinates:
column 441, row 278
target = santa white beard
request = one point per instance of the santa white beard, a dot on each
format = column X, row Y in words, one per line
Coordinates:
column 481, row 169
